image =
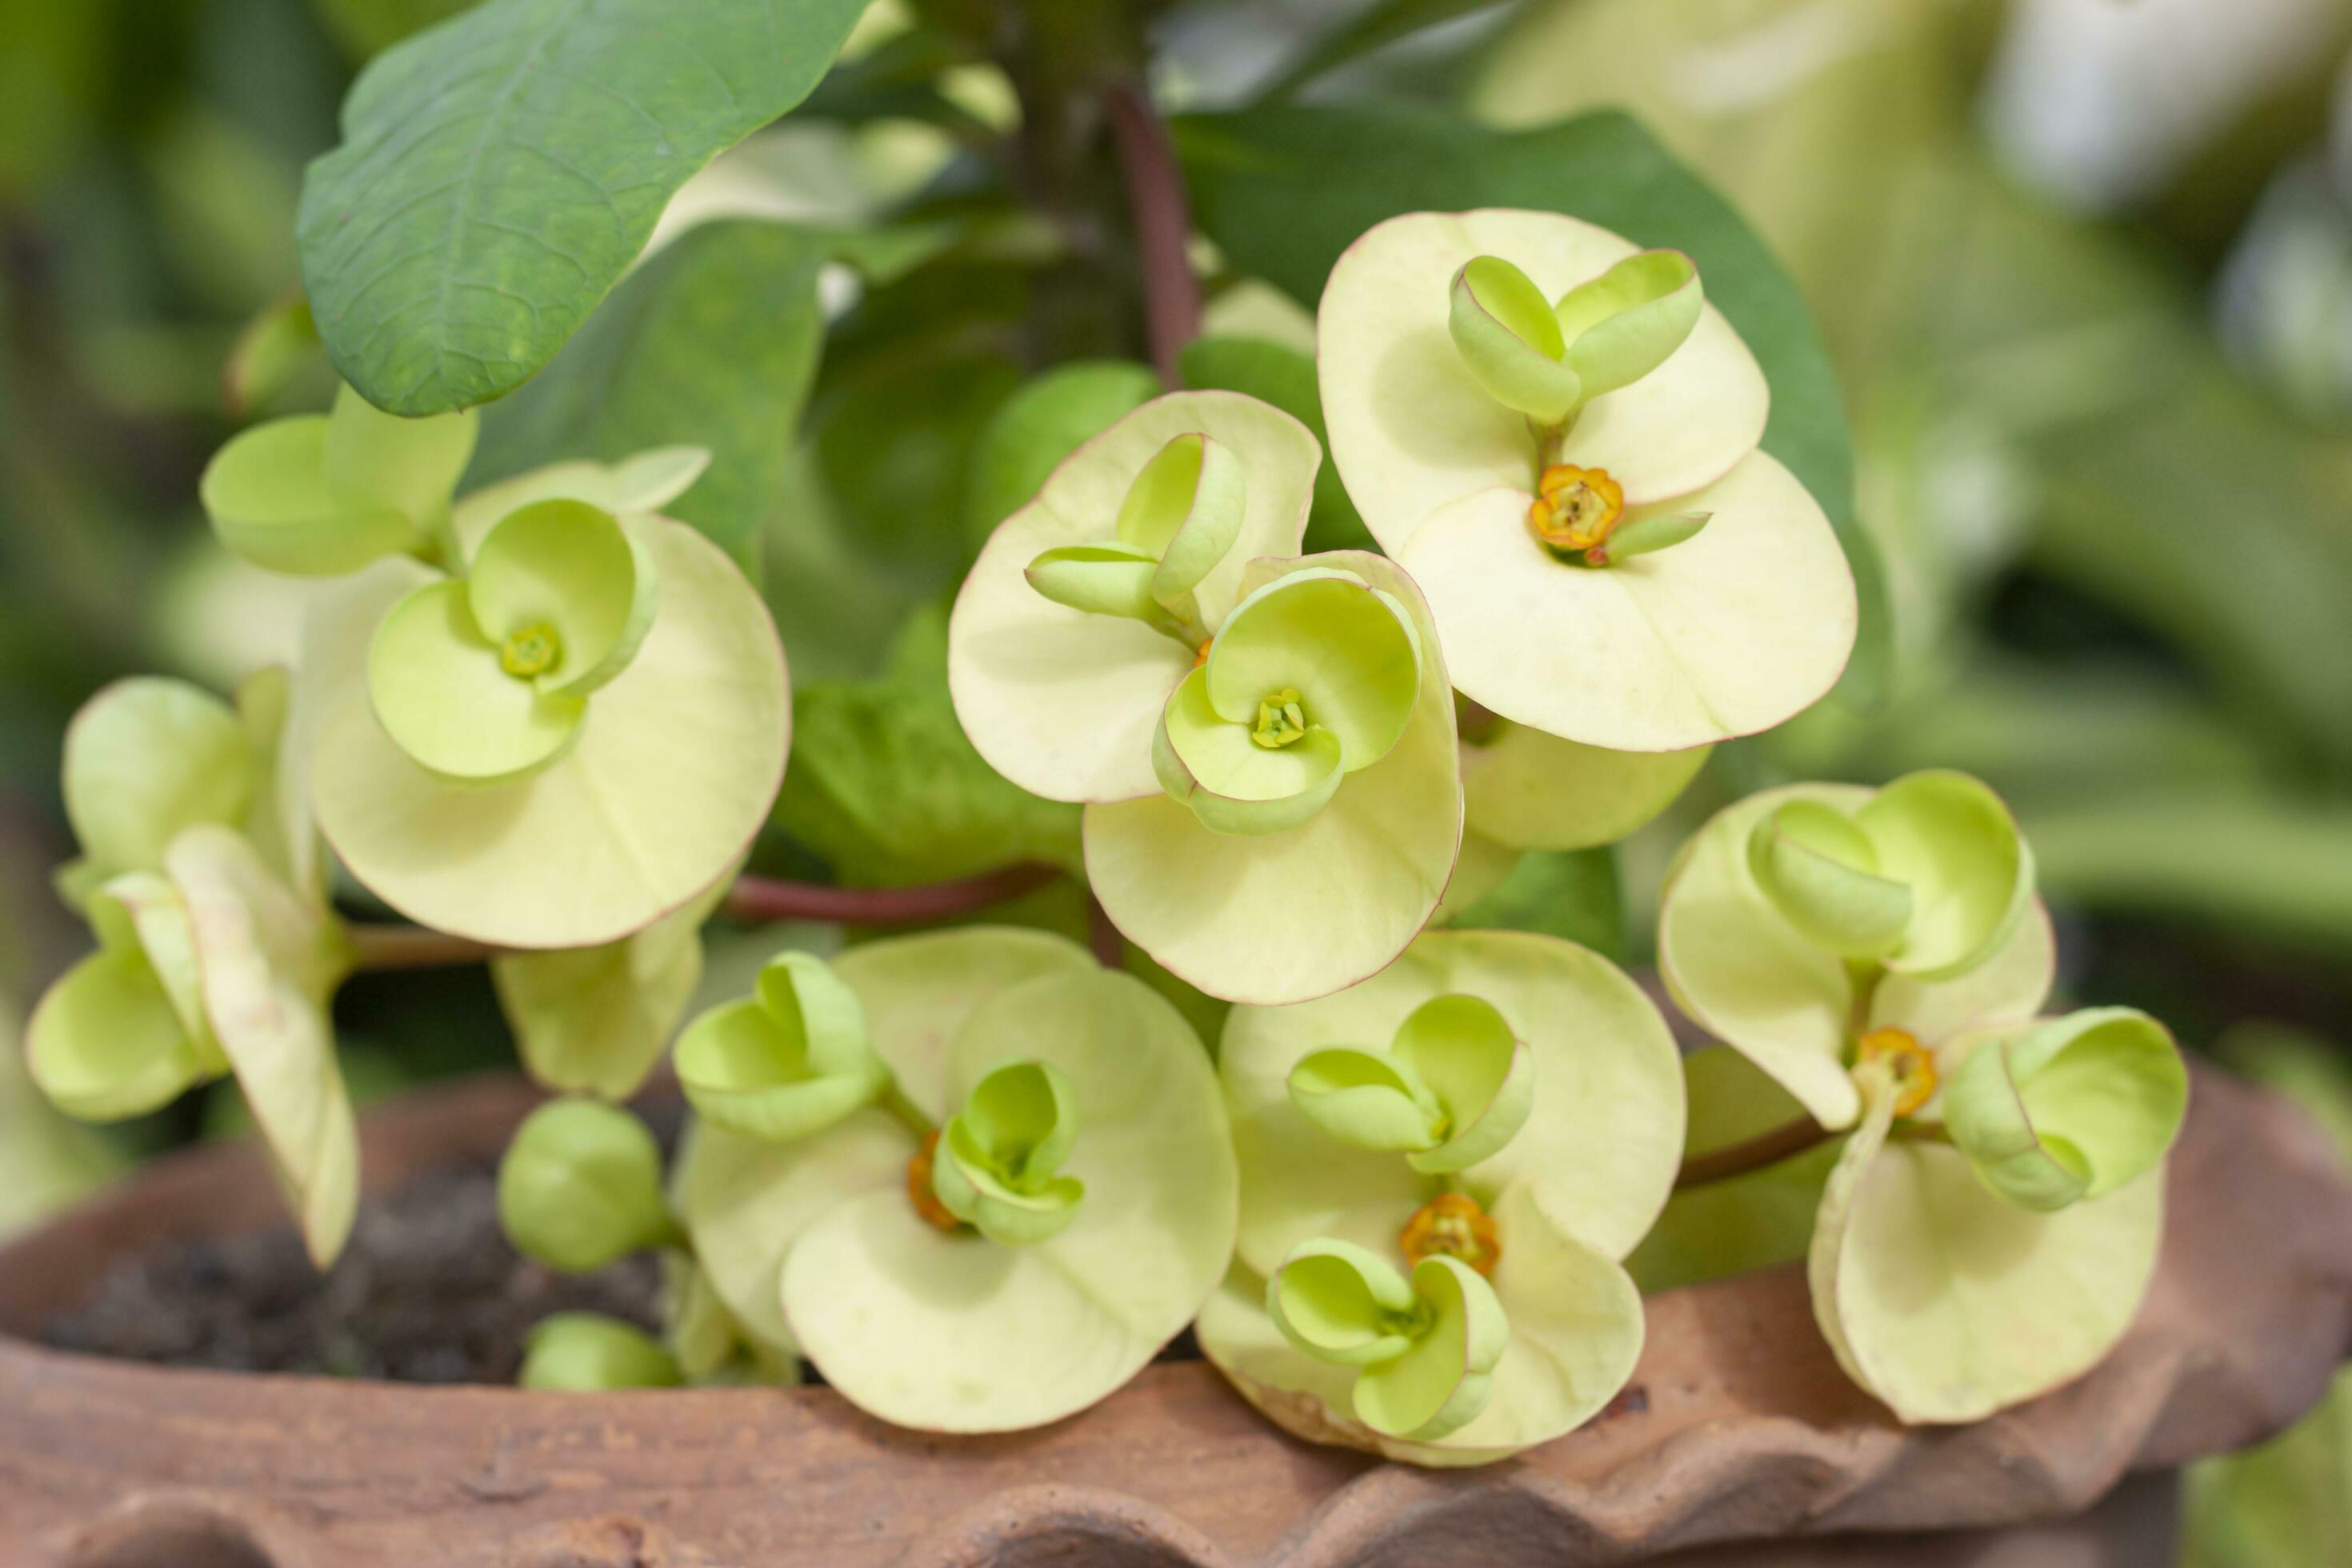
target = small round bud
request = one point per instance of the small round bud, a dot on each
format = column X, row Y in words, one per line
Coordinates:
column 581, row 1186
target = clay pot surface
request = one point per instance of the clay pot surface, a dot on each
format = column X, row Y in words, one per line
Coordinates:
column 1738, row 1427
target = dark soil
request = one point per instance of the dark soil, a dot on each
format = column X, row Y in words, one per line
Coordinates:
column 428, row 1291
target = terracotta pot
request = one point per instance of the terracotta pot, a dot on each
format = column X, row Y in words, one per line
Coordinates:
column 1738, row 1428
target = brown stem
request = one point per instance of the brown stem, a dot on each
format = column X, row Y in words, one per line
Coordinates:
column 1163, row 224
column 1764, row 1149
column 765, row 899
column 377, row 947
column 1103, row 936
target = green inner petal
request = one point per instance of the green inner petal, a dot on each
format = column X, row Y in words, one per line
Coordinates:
column 1820, row 872
column 1441, row 1381
column 1220, row 499
column 1099, row 579
column 1505, row 331
column 1342, row 1303
column 1483, row 1076
column 1366, row 1100
column 441, row 693
column 804, row 996
column 1022, row 1119
column 267, row 494
column 572, row 569
column 753, row 1072
column 1628, row 322
column 2068, row 1109
column 1162, row 497
column 1346, row 649
column 1953, row 841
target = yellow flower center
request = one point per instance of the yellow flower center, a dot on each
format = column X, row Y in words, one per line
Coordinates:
column 531, row 651
column 1575, row 507
column 1451, row 1223
column 1281, row 719
column 1913, row 1064
column 919, row 1185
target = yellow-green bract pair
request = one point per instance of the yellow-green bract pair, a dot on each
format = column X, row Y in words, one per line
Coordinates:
column 1992, row 1219
column 1441, row 1168
column 1072, row 1207
column 216, row 952
column 1485, row 372
column 1264, row 743
column 543, row 716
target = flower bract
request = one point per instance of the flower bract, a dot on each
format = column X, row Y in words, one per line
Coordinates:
column 1505, row 1102
column 1928, row 873
column 571, row 803
column 1309, row 812
column 1088, row 604
column 1091, row 1150
column 1557, row 437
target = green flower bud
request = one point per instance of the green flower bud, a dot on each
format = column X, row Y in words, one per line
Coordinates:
column 581, row 1187
column 587, row 1353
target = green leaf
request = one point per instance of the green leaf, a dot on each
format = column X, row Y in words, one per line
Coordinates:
column 1565, row 893
column 1284, row 190
column 1371, row 28
column 499, row 173
column 1043, row 423
column 884, row 786
column 713, row 343
column 1284, row 376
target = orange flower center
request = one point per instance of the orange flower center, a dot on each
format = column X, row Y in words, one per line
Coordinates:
column 1454, row 1225
column 1575, row 507
column 919, row 1185
column 1913, row 1066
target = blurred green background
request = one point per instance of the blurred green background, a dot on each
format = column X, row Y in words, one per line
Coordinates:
column 2084, row 267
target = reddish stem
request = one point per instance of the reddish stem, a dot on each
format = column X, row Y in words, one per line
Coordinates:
column 1163, row 224
column 765, row 899
column 1103, row 936
column 380, row 947
column 1764, row 1149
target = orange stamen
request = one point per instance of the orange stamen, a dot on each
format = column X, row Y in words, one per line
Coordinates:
column 1913, row 1064
column 1575, row 508
column 919, row 1185
column 1453, row 1224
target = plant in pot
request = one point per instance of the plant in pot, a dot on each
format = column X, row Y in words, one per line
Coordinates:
column 1295, row 666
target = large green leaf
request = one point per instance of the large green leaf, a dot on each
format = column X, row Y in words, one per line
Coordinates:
column 499, row 172
column 713, row 345
column 1284, row 190
column 1284, row 376
column 1570, row 893
column 885, row 785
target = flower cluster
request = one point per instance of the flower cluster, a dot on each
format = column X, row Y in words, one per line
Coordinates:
column 979, row 1179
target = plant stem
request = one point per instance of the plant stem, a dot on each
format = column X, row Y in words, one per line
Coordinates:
column 1754, row 1154
column 766, row 898
column 894, row 1101
column 1163, row 224
column 383, row 947
column 1103, row 936
column 753, row 898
